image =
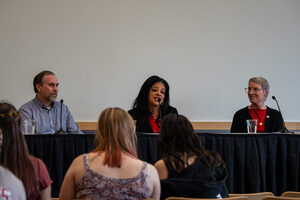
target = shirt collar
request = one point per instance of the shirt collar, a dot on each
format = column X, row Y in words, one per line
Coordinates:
column 40, row 104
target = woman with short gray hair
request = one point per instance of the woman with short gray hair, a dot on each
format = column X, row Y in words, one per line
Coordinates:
column 268, row 119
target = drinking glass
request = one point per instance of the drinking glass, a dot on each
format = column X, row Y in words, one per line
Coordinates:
column 29, row 126
column 251, row 125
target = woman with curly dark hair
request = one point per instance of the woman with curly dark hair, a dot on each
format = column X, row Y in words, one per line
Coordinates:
column 186, row 168
column 151, row 104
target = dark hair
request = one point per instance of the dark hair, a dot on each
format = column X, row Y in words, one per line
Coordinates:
column 178, row 142
column 14, row 153
column 141, row 101
column 39, row 79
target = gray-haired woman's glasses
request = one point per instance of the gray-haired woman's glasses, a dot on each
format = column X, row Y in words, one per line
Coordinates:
column 252, row 89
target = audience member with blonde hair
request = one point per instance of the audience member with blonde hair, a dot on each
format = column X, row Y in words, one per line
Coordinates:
column 112, row 170
column 15, row 157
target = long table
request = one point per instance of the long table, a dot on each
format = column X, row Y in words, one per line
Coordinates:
column 58, row 152
column 255, row 162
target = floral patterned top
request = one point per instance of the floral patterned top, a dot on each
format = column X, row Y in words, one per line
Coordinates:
column 95, row 186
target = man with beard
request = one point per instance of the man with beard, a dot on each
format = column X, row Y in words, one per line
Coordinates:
column 45, row 110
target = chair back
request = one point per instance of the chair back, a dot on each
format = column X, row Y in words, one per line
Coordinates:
column 253, row 196
column 279, row 198
column 291, row 194
column 184, row 198
column 52, row 198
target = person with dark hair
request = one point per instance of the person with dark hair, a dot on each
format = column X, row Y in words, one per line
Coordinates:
column 268, row 119
column 151, row 104
column 45, row 110
column 112, row 170
column 15, row 157
column 186, row 169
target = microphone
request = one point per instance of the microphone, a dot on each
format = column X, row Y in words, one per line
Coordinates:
column 61, row 130
column 284, row 130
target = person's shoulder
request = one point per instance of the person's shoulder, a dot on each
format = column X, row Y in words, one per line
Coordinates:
column 171, row 109
column 6, row 174
column 34, row 160
column 37, row 162
column 133, row 110
column 135, row 113
column 76, row 165
column 58, row 104
column 6, row 177
column 160, row 165
column 152, row 169
column 271, row 110
column 28, row 105
column 245, row 109
column 242, row 110
column 79, row 159
column 77, row 168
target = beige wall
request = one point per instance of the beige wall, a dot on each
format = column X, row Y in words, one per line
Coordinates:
column 103, row 50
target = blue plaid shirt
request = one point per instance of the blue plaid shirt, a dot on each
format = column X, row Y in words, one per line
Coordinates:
column 47, row 121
